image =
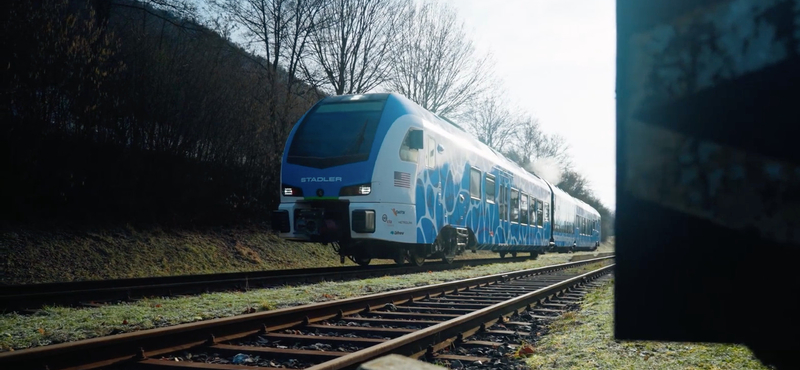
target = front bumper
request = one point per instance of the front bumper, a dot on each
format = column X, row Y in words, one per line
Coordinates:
column 337, row 220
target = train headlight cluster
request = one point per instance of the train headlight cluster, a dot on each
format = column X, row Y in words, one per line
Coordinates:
column 290, row 191
column 363, row 189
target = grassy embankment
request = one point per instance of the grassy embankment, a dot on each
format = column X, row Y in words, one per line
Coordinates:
column 42, row 256
column 60, row 324
column 585, row 340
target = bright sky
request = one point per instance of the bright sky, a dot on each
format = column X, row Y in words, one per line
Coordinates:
column 557, row 60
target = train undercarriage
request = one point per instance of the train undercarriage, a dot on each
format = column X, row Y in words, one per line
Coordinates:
column 331, row 222
column 451, row 241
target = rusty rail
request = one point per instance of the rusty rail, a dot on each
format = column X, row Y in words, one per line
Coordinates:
column 32, row 296
column 98, row 352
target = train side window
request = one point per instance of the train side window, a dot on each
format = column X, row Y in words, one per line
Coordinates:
column 431, row 150
column 408, row 150
column 523, row 209
column 491, row 189
column 475, row 183
column 532, row 211
column 514, row 205
column 502, row 204
column 546, row 212
column 539, row 213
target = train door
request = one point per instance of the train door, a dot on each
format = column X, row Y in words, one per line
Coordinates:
column 504, row 187
column 433, row 170
column 488, row 219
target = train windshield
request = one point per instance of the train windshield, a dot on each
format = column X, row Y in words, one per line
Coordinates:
column 334, row 134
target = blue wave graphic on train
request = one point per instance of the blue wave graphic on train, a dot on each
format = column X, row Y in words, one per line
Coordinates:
column 377, row 176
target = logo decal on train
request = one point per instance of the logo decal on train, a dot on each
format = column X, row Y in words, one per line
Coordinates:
column 321, row 179
column 398, row 212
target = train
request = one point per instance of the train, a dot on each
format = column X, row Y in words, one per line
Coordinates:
column 377, row 176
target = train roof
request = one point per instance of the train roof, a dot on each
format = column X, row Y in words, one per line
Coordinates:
column 468, row 141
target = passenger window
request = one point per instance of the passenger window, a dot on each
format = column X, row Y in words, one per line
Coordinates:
column 406, row 152
column 523, row 209
column 475, row 184
column 503, row 209
column 431, row 149
column 491, row 189
column 539, row 211
column 546, row 212
column 514, row 205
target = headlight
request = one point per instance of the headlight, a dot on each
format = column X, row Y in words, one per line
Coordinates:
column 363, row 189
column 291, row 191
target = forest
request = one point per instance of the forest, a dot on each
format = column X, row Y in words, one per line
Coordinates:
column 175, row 112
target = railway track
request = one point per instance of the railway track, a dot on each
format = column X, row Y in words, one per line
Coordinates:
column 442, row 322
column 29, row 297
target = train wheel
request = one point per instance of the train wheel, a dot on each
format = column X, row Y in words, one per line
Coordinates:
column 417, row 257
column 400, row 257
column 502, row 254
column 448, row 252
column 362, row 261
column 534, row 255
column 513, row 254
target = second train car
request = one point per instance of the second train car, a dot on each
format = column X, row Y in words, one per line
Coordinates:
column 378, row 176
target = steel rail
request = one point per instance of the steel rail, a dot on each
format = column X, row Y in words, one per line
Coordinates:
column 103, row 351
column 436, row 337
column 32, row 296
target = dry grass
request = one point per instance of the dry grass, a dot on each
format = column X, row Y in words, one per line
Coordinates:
column 38, row 256
column 42, row 256
column 61, row 324
column 585, row 340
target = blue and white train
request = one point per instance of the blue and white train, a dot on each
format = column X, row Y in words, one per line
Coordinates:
column 378, row 176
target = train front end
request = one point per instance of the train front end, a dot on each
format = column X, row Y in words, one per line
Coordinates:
column 342, row 181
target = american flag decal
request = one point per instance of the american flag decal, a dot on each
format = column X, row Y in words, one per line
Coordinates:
column 402, row 179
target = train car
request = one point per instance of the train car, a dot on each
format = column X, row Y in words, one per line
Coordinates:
column 587, row 227
column 378, row 176
column 576, row 225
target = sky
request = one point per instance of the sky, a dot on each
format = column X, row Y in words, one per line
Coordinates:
column 557, row 61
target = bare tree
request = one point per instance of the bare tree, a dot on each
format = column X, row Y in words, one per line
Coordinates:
column 351, row 49
column 492, row 122
column 277, row 30
column 435, row 64
column 531, row 144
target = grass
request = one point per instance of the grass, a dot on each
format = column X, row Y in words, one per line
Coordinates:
column 585, row 340
column 60, row 324
column 42, row 256
column 32, row 255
